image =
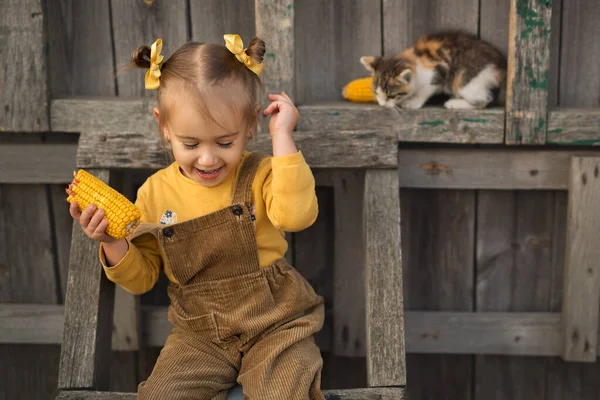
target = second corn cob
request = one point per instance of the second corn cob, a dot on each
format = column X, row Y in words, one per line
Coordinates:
column 360, row 90
column 122, row 215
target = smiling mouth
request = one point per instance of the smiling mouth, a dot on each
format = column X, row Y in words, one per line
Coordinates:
column 208, row 174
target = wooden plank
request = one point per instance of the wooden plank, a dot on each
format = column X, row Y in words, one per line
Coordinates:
column 126, row 321
column 438, row 234
column 514, row 273
column 137, row 23
column 581, row 293
column 37, row 162
column 322, row 149
column 29, row 371
column 574, row 127
column 340, row 32
column 20, row 323
column 429, row 124
column 495, row 168
column 274, row 23
column 501, row 333
column 405, row 20
column 350, row 394
column 314, row 258
column 385, row 320
column 349, row 317
column 528, row 71
column 80, row 53
column 85, row 354
column 579, row 85
column 211, row 19
column 23, row 67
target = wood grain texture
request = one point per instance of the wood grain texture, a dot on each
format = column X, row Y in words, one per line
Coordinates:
column 385, row 309
column 85, row 354
column 528, row 71
column 211, row 19
column 314, row 259
column 29, row 371
column 501, row 333
column 581, row 293
column 429, row 124
column 126, row 335
column 274, row 21
column 514, row 274
column 23, row 67
column 405, row 20
column 137, row 23
column 572, row 126
column 493, row 28
column 579, row 85
column 486, row 168
column 20, row 323
column 80, row 53
column 339, row 33
column 349, row 338
column 322, row 149
column 37, row 163
column 438, row 234
column 350, row 394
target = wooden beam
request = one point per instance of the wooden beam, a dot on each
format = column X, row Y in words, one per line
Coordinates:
column 347, row 394
column 574, row 127
column 37, row 162
column 429, row 124
column 274, row 21
column 23, row 80
column 503, row 333
column 432, row 332
column 20, row 323
column 485, row 168
column 383, row 271
column 581, row 294
column 126, row 333
column 340, row 149
column 85, row 351
column 528, row 70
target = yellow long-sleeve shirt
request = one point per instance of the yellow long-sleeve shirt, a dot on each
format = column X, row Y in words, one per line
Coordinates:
column 284, row 200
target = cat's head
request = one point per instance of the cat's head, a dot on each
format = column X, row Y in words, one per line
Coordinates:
column 392, row 78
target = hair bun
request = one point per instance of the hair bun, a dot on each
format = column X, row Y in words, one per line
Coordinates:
column 256, row 49
column 141, row 57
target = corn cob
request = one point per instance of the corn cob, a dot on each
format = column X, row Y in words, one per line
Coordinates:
column 360, row 91
column 122, row 215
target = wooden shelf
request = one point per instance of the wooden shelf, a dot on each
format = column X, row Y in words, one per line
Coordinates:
column 427, row 125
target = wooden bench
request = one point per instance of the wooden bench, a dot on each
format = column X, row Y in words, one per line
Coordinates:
column 86, row 347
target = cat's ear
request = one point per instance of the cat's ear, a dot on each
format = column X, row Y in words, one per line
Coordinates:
column 369, row 63
column 405, row 76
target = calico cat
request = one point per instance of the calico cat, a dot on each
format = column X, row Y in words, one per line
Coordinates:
column 471, row 71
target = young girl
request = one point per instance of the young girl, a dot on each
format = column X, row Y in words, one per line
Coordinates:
column 214, row 221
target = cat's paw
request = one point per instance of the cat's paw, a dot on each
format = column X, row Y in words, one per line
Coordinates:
column 458, row 104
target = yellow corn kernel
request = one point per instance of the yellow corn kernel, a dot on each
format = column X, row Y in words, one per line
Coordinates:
column 122, row 215
column 360, row 91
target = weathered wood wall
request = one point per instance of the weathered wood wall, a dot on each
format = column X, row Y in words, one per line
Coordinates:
column 463, row 250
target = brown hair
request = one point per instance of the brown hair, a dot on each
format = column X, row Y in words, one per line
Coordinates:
column 204, row 69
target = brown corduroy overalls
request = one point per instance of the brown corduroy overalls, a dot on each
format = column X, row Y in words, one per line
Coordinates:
column 232, row 319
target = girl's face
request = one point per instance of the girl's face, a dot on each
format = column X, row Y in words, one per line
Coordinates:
column 206, row 151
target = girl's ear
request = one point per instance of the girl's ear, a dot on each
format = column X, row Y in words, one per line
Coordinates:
column 163, row 132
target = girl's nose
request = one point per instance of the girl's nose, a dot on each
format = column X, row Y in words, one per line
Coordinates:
column 207, row 160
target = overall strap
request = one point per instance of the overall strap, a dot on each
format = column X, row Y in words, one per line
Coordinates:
column 243, row 187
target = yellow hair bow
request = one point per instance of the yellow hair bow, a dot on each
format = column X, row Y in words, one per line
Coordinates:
column 152, row 79
column 236, row 46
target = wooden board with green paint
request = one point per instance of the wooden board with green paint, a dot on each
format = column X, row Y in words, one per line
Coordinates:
column 528, row 71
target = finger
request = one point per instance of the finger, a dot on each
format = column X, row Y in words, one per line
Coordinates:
column 74, row 211
column 284, row 94
column 87, row 215
column 273, row 107
column 278, row 97
column 100, row 229
column 94, row 222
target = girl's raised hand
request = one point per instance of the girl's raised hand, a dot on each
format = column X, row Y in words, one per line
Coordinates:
column 284, row 114
column 92, row 222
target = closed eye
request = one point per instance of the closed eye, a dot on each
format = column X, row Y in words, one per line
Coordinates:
column 190, row 146
column 225, row 145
